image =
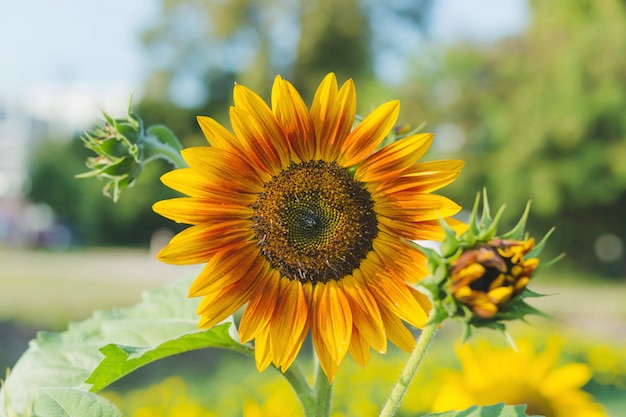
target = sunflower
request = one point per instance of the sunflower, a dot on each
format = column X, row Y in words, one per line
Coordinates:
column 301, row 218
column 493, row 375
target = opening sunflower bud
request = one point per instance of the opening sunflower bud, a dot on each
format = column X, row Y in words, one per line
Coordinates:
column 486, row 277
column 480, row 277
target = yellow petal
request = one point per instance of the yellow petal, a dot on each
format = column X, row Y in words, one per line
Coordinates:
column 397, row 332
column 332, row 113
column 359, row 348
column 199, row 210
column 334, row 319
column 198, row 243
column 261, row 307
column 389, row 161
column 226, row 268
column 293, row 115
column 262, row 350
column 217, row 135
column 365, row 313
column 288, row 324
column 261, row 131
column 368, row 134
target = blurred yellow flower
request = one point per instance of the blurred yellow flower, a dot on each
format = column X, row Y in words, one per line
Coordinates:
column 493, row 375
column 168, row 398
column 300, row 216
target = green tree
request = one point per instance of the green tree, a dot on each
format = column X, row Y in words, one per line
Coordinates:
column 543, row 116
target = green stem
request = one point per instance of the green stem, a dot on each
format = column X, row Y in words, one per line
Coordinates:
column 409, row 371
column 296, row 379
column 153, row 149
column 323, row 391
column 298, row 382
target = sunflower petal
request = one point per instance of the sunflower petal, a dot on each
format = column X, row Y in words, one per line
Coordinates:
column 200, row 210
column 365, row 313
column 394, row 158
column 359, row 348
column 261, row 307
column 368, row 134
column 259, row 129
column 293, row 115
column 334, row 319
column 288, row 325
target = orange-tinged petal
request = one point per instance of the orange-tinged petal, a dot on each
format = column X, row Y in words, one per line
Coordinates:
column 200, row 210
column 359, row 348
column 225, row 168
column 365, row 313
column 368, row 134
column 227, row 267
column 334, row 319
column 288, row 324
column 266, row 134
column 394, row 158
column 194, row 184
column 261, row 307
column 397, row 332
column 329, row 364
column 390, row 293
column 423, row 177
column 215, row 307
column 332, row 113
column 198, row 243
column 293, row 115
column 415, row 207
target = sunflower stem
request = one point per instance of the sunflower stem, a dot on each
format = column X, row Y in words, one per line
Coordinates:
column 303, row 391
column 323, row 391
column 409, row 371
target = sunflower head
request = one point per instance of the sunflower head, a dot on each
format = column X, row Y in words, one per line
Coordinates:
column 303, row 217
column 481, row 277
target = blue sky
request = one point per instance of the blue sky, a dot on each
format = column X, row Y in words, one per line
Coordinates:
column 89, row 51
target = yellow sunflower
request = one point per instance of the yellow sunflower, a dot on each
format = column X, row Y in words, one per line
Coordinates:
column 299, row 215
column 493, row 375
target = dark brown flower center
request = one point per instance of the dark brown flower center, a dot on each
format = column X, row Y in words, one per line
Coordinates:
column 314, row 222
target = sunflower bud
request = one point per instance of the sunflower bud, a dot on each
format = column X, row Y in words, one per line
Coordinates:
column 486, row 277
column 118, row 158
column 123, row 147
column 481, row 277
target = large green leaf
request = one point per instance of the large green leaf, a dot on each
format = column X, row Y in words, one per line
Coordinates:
column 69, row 402
column 163, row 324
column 121, row 360
column 497, row 410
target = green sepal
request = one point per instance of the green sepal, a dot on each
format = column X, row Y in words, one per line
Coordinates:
column 517, row 233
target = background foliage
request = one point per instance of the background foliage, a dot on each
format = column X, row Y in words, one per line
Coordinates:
column 537, row 116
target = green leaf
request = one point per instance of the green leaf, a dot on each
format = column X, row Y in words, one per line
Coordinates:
column 68, row 402
column 497, row 410
column 165, row 136
column 121, row 360
column 67, row 359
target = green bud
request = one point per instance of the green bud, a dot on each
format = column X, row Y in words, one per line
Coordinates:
column 123, row 147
